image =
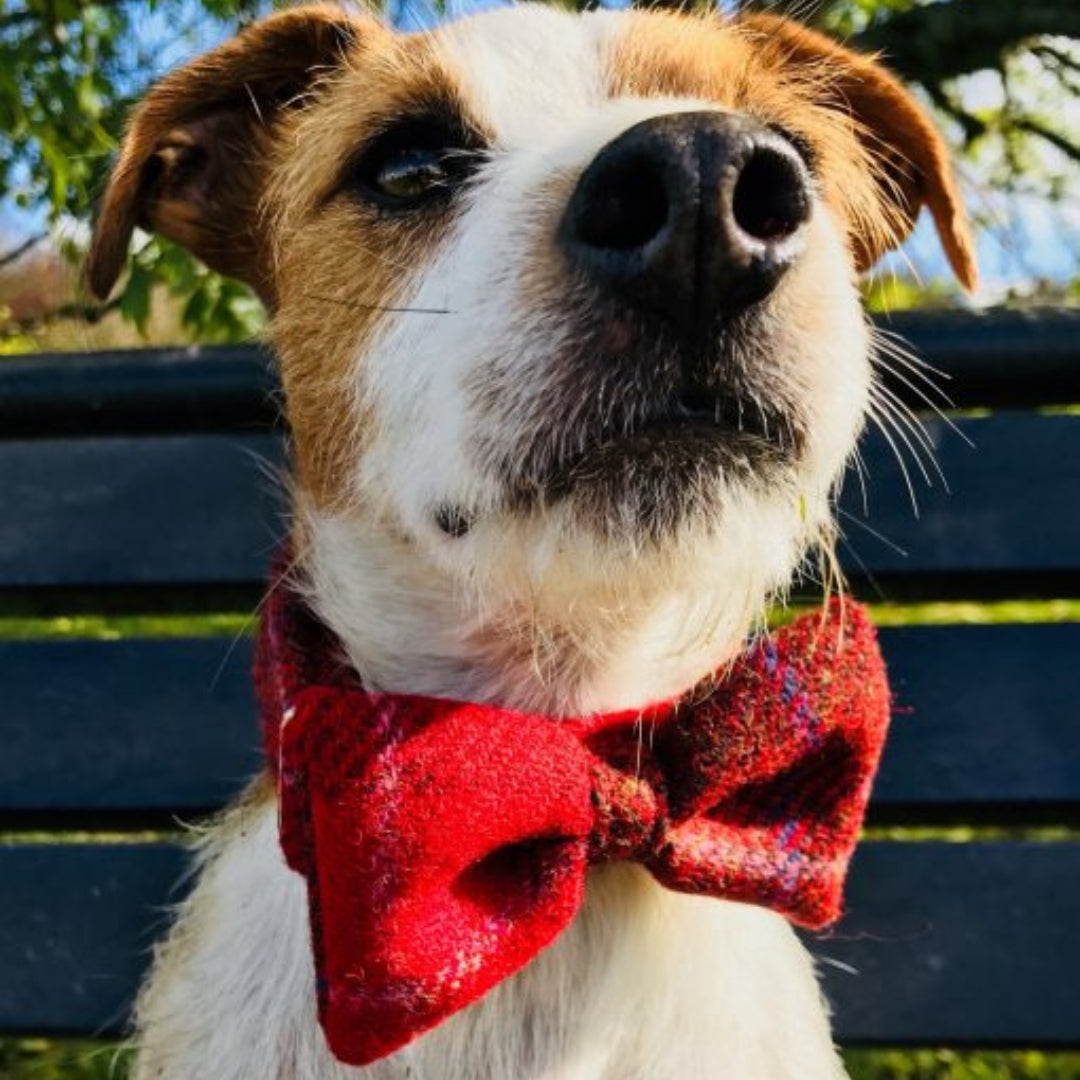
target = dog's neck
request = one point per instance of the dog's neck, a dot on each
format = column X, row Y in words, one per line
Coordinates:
column 409, row 627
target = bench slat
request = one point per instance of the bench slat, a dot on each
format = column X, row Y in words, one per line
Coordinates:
column 983, row 715
column 994, row 359
column 165, row 725
column 1010, row 508
column 151, row 511
column 958, row 944
column 955, row 944
column 200, row 509
column 169, row 725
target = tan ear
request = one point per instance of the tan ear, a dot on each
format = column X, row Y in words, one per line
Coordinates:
column 912, row 157
column 192, row 163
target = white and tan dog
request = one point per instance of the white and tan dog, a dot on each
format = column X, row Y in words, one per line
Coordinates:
column 573, row 357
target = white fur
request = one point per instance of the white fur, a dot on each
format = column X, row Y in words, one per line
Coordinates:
column 531, row 611
column 646, row 985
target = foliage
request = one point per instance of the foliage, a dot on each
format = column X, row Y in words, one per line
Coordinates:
column 71, row 69
column 69, row 73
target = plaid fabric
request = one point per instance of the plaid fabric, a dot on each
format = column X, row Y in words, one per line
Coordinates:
column 446, row 843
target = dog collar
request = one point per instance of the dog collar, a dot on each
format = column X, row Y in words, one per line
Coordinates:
column 446, row 843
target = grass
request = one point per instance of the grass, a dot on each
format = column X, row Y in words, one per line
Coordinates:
column 40, row 1059
column 976, row 612
column 117, row 627
column 957, row 1065
column 67, row 1059
column 232, row 624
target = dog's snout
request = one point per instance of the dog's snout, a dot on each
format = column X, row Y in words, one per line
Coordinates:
column 690, row 216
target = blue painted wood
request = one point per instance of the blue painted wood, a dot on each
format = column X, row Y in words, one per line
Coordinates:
column 1010, row 506
column 989, row 359
column 985, row 716
column 172, row 510
column 953, row 944
column 125, row 391
column 170, row 726
column 77, row 923
column 126, row 725
column 177, row 510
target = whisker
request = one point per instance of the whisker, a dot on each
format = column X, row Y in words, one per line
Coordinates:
column 906, row 417
column 885, row 358
column 899, row 346
column 883, row 428
column 358, row 305
column 862, row 473
column 896, row 423
column 891, row 544
column 871, row 580
column 900, row 407
column 882, row 363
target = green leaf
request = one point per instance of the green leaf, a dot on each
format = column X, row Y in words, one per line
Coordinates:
column 134, row 303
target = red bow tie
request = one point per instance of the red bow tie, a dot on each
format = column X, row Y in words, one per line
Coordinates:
column 446, row 843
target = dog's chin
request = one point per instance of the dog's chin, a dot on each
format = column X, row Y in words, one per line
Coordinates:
column 669, row 474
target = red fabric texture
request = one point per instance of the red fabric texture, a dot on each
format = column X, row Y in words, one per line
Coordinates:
column 445, row 843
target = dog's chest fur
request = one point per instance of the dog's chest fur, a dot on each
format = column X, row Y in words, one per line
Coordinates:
column 646, row 985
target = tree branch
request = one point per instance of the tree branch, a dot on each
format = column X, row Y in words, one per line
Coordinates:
column 971, row 126
column 931, row 43
column 1058, row 57
column 16, row 253
column 88, row 313
column 1055, row 138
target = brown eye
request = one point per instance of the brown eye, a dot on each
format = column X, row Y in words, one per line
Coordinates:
column 411, row 174
column 412, row 163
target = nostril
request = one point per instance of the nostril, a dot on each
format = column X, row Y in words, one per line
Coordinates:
column 697, row 402
column 772, row 196
column 626, row 206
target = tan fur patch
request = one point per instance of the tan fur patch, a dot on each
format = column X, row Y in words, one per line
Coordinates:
column 703, row 57
column 340, row 264
column 877, row 157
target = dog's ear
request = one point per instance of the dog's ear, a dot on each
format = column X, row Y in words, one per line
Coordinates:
column 910, row 157
column 192, row 161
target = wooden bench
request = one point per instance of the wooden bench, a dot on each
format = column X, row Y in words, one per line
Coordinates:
column 133, row 483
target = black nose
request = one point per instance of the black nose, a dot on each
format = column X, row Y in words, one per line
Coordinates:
column 690, row 216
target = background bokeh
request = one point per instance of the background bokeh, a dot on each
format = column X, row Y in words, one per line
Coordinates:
column 1002, row 79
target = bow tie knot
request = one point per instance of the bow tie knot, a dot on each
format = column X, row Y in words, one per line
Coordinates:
column 630, row 812
column 446, row 843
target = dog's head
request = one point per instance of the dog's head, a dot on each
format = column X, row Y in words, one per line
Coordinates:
column 562, row 303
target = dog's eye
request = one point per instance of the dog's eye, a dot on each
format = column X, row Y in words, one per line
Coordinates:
column 410, row 174
column 411, row 164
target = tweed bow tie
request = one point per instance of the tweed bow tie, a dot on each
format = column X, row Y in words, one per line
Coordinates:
column 446, row 843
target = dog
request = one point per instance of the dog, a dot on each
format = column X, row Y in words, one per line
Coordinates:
column 573, row 359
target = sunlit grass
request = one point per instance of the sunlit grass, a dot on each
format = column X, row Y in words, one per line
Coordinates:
column 40, row 1059
column 235, row 623
column 976, row 612
column 961, row 1065
column 118, row 627
column 67, row 1059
